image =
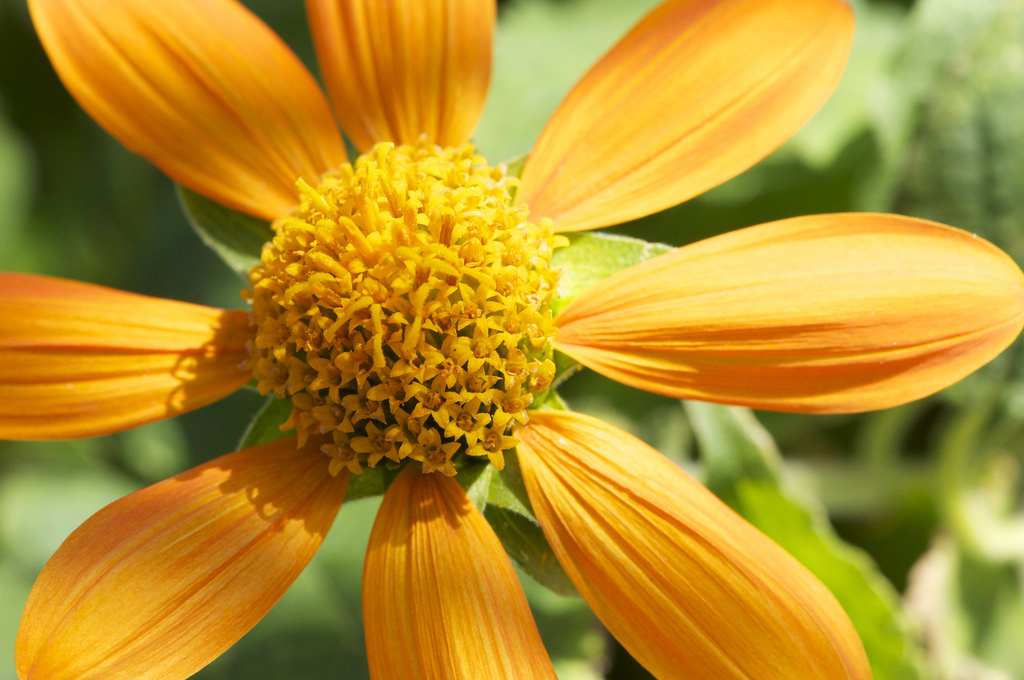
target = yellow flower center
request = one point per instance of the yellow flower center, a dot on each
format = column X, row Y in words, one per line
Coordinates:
column 404, row 309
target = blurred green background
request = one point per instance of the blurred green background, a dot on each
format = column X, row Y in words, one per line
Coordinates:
column 912, row 516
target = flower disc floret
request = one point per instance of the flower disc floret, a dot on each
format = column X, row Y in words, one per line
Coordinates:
column 403, row 308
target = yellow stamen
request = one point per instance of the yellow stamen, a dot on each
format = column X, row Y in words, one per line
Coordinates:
column 404, row 309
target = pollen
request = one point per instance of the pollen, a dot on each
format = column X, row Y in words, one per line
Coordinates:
column 403, row 308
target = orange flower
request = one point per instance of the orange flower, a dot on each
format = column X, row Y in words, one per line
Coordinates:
column 404, row 307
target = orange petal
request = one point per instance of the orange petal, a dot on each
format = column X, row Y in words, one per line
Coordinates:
column 827, row 313
column 398, row 70
column 202, row 88
column 685, row 584
column 78, row 360
column 696, row 93
column 440, row 598
column 161, row 582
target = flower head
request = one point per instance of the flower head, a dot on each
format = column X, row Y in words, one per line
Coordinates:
column 404, row 293
column 404, row 305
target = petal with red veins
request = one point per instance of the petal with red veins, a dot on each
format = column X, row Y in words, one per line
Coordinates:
column 685, row 584
column 695, row 94
column 825, row 313
column 158, row 584
column 440, row 597
column 79, row 360
column 202, row 88
column 399, row 70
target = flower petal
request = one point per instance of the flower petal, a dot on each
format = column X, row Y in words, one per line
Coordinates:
column 826, row 313
column 78, row 360
column 696, row 93
column 440, row 597
column 159, row 583
column 202, row 88
column 397, row 70
column 685, row 584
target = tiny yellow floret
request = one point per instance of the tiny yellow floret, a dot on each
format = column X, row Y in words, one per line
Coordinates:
column 404, row 308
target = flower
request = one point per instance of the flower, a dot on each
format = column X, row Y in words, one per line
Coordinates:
column 405, row 308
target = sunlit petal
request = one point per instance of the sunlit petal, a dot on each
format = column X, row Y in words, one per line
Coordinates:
column 696, row 93
column 828, row 313
column 686, row 585
column 202, row 88
column 78, row 360
column 398, row 70
column 440, row 598
column 158, row 584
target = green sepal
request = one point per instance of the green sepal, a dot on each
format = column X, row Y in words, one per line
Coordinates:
column 253, row 385
column 501, row 497
column 552, row 401
column 565, row 366
column 743, row 468
column 592, row 257
column 266, row 427
column 588, row 259
column 373, row 482
column 514, row 167
column 236, row 237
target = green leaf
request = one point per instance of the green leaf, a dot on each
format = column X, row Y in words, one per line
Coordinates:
column 238, row 238
column 571, row 633
column 592, row 257
column 501, row 497
column 868, row 599
column 733, row 445
column 14, row 594
column 744, row 470
column 476, row 481
column 525, row 543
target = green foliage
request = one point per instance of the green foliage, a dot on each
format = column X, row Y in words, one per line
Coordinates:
column 266, row 424
column 966, row 167
column 571, row 634
column 266, row 427
column 560, row 40
column 743, row 468
column 15, row 178
column 926, row 121
column 501, row 497
column 972, row 611
column 40, row 505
